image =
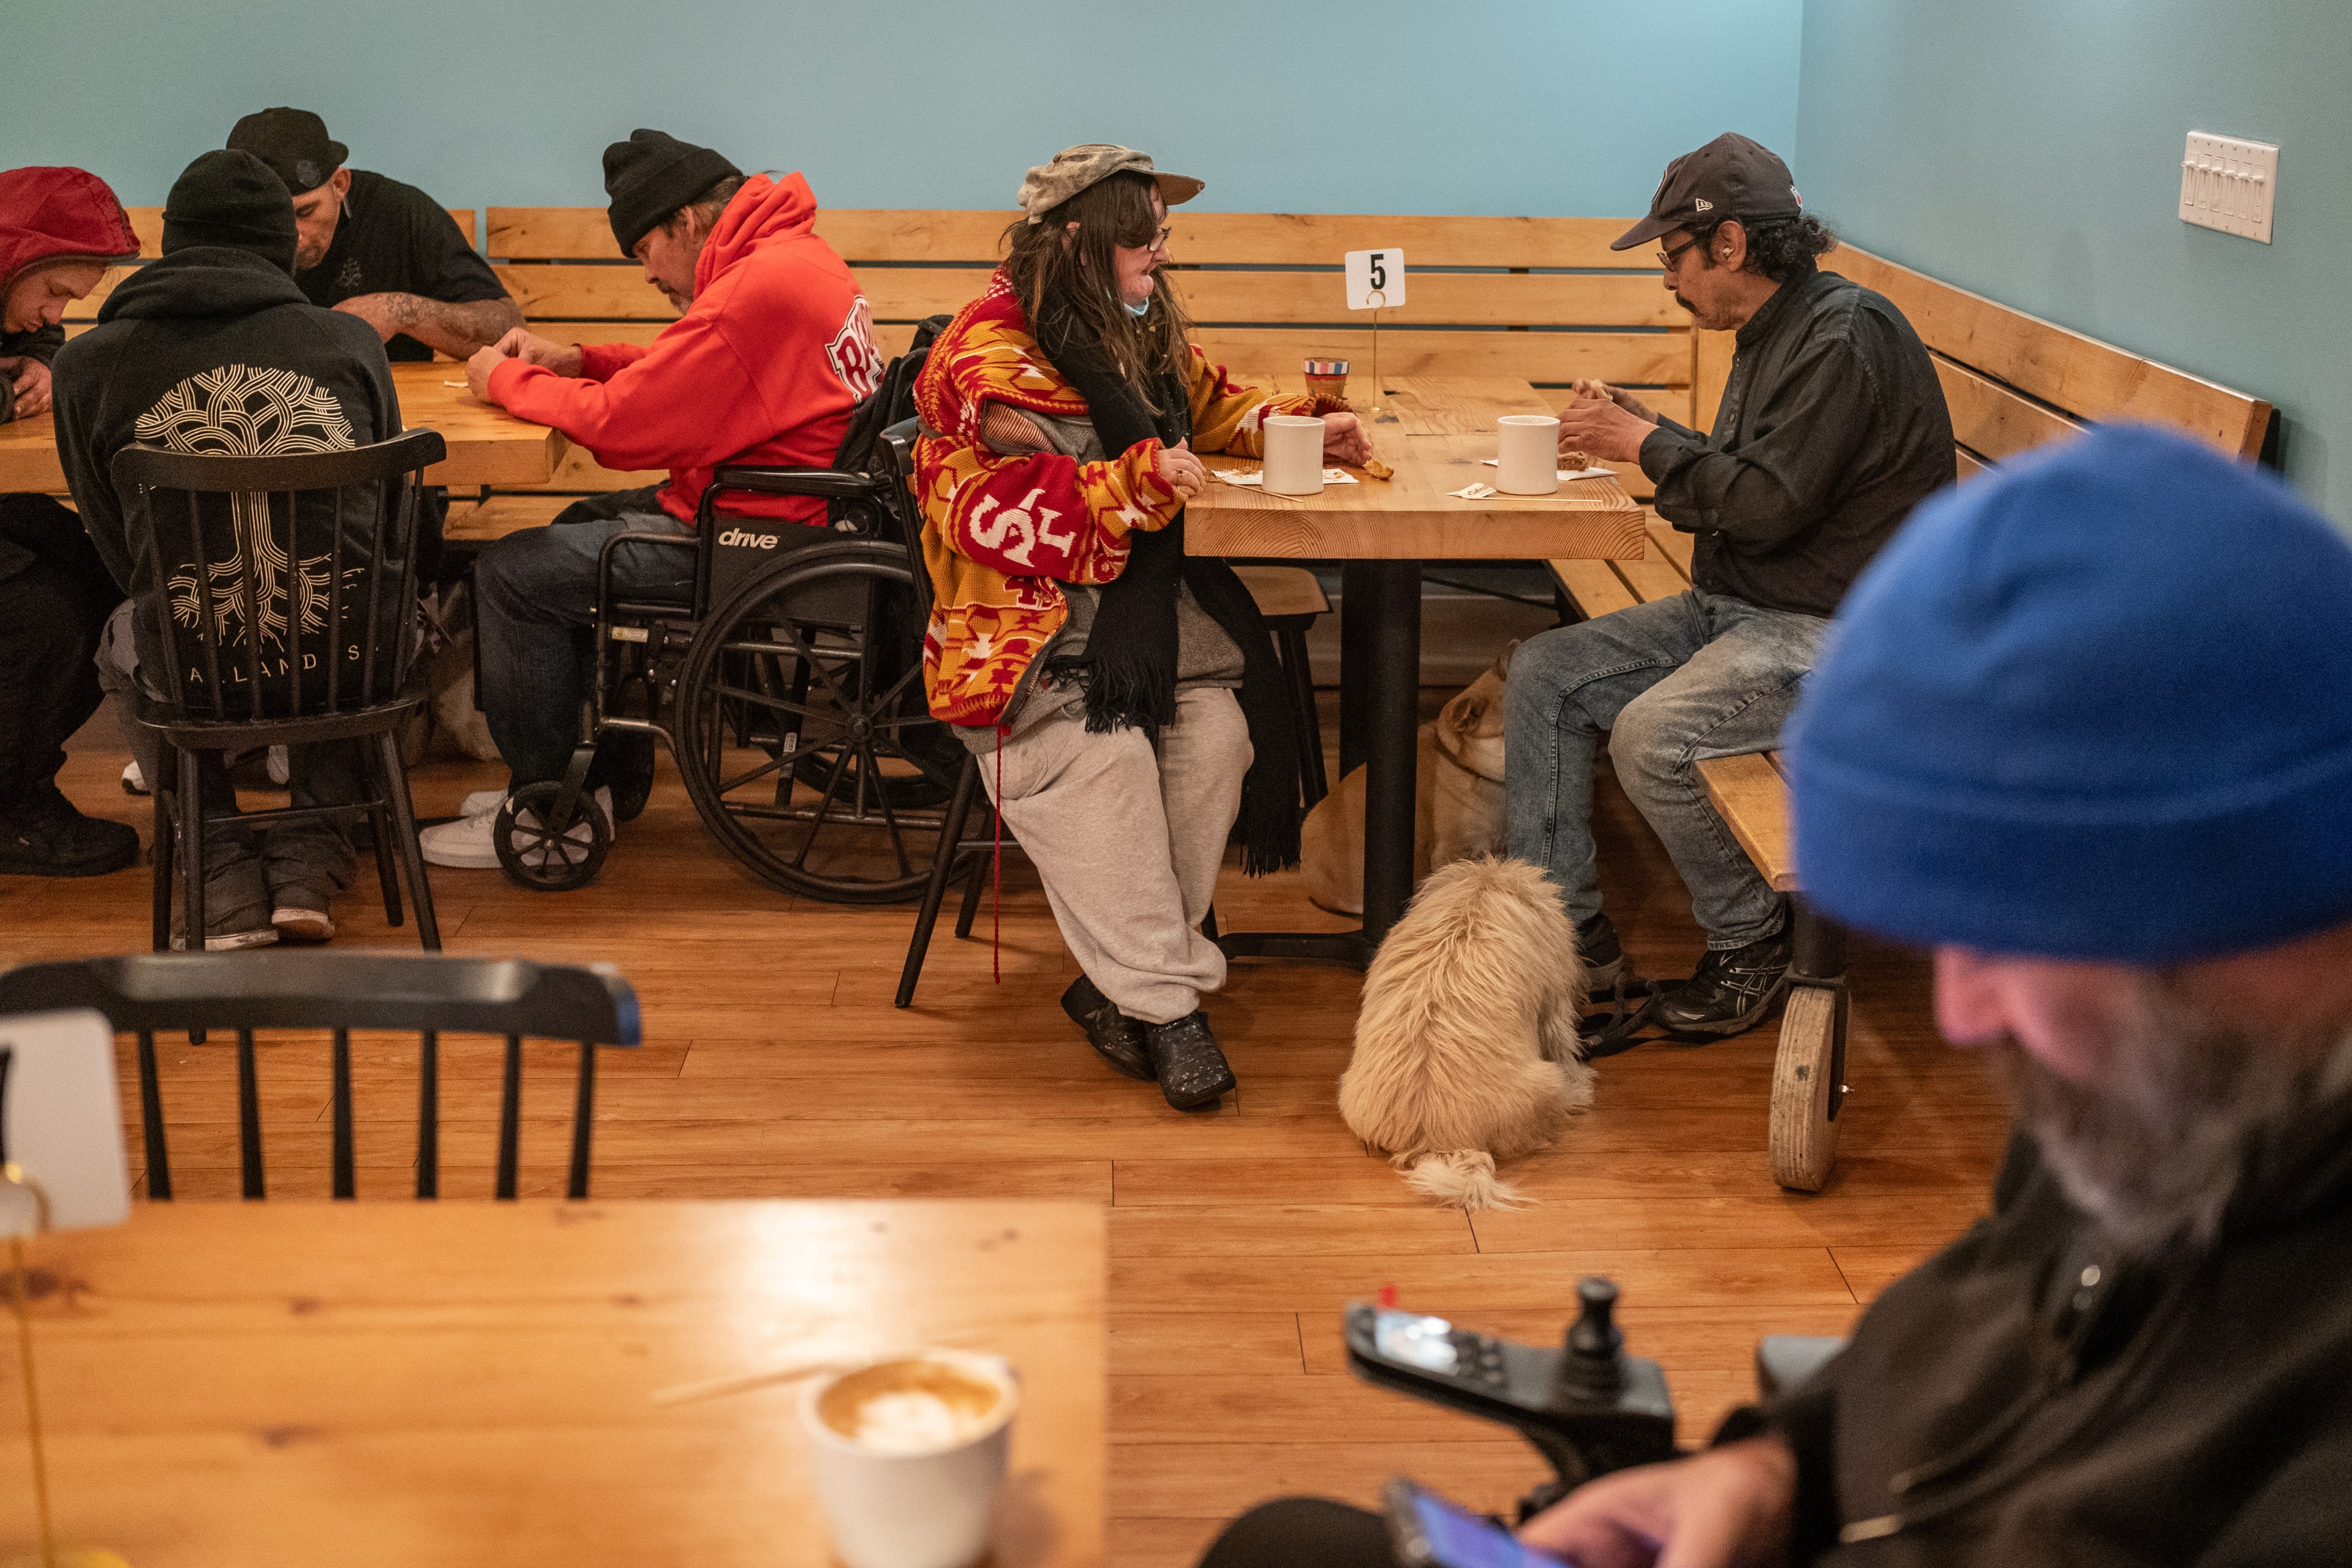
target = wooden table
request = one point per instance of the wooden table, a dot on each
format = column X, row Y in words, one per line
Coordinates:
column 1434, row 434
column 454, row 1383
column 488, row 445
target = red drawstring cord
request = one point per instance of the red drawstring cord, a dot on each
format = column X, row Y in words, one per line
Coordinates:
column 996, row 871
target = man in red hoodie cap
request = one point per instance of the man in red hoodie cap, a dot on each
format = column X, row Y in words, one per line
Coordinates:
column 773, row 351
column 60, row 231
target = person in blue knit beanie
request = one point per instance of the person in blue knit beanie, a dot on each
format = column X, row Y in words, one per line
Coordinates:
column 2085, row 730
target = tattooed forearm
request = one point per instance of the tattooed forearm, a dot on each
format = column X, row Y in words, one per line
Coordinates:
column 456, row 331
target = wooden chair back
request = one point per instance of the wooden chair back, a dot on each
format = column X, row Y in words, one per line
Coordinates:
column 277, row 600
column 425, row 995
column 2014, row 381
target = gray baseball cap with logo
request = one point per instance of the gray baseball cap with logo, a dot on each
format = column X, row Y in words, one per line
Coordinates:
column 1048, row 185
column 1730, row 177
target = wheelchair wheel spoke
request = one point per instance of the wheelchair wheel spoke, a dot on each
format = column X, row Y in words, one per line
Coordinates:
column 873, row 768
column 727, row 786
column 825, row 804
column 774, row 704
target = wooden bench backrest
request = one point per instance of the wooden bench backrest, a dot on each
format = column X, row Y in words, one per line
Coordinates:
column 147, row 223
column 1540, row 300
column 2013, row 382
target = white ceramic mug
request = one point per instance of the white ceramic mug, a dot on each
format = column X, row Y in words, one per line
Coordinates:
column 901, row 1501
column 1528, row 455
column 1294, row 454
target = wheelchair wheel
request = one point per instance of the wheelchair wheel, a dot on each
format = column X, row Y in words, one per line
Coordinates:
column 803, row 739
column 545, row 856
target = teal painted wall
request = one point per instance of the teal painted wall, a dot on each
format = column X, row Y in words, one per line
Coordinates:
column 1567, row 107
column 2029, row 150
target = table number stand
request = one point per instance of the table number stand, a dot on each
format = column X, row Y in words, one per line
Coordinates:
column 1375, row 282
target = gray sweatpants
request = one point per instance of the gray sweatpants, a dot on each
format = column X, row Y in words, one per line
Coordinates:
column 1126, row 834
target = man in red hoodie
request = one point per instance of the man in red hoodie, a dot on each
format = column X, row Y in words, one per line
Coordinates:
column 60, row 231
column 773, row 351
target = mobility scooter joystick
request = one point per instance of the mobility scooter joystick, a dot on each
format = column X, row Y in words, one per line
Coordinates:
column 1588, row 1408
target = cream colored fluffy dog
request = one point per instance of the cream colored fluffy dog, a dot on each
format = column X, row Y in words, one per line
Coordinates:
column 1467, row 1050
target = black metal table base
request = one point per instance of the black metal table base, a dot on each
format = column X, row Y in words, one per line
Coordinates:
column 1352, row 948
column 1379, row 699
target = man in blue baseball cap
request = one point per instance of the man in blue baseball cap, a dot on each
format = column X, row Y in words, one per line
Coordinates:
column 2085, row 730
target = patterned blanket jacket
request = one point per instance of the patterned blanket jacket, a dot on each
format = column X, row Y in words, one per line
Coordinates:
column 1001, row 533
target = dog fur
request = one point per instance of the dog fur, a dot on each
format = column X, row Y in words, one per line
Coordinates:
column 1466, row 1049
column 1457, row 799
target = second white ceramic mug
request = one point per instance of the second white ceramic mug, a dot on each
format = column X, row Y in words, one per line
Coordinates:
column 1528, row 455
column 1294, row 454
column 928, row 1509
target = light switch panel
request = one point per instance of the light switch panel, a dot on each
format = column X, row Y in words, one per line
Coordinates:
column 2229, row 184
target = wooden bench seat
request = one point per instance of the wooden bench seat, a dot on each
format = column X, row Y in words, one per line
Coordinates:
column 2012, row 383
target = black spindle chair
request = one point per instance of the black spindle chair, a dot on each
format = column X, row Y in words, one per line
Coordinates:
column 339, row 992
column 285, row 588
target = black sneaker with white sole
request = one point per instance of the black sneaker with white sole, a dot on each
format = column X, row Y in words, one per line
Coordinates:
column 1732, row 991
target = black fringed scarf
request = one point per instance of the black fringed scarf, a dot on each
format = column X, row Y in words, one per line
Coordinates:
column 1128, row 669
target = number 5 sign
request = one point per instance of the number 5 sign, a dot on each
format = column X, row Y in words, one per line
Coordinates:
column 1375, row 280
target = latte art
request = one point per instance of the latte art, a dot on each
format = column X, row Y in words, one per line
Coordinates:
column 910, row 1407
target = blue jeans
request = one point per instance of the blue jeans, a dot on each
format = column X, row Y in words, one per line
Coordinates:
column 1671, row 683
column 535, row 603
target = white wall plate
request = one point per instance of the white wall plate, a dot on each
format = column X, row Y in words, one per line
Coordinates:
column 2229, row 184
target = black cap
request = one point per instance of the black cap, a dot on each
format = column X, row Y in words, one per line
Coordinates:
column 232, row 199
column 650, row 176
column 1731, row 177
column 294, row 143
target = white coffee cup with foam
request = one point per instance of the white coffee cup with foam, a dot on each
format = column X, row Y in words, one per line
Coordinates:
column 1294, row 454
column 909, row 1451
column 1528, row 455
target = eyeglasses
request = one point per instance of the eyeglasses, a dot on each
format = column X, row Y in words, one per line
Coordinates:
column 1160, row 240
column 1667, row 257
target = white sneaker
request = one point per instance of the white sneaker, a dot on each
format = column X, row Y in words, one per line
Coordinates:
column 279, row 764
column 482, row 803
column 470, row 843
column 133, row 780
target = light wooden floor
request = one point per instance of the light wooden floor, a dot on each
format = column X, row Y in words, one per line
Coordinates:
column 775, row 1065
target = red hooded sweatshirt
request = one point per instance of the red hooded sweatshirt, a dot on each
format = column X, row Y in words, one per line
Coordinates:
column 59, row 215
column 763, row 369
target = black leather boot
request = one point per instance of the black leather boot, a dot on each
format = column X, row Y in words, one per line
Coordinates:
column 1732, row 991
column 1115, row 1037
column 1189, row 1064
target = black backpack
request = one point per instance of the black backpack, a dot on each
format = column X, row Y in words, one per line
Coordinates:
column 893, row 399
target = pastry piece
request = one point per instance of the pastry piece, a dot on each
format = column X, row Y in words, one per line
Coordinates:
column 1574, row 462
column 1378, row 469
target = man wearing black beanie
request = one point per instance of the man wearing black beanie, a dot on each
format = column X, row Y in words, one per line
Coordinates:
column 214, row 349
column 376, row 249
column 773, row 351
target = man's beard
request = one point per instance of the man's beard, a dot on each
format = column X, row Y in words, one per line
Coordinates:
column 2156, row 1155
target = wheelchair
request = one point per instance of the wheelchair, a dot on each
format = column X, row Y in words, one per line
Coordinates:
column 788, row 692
